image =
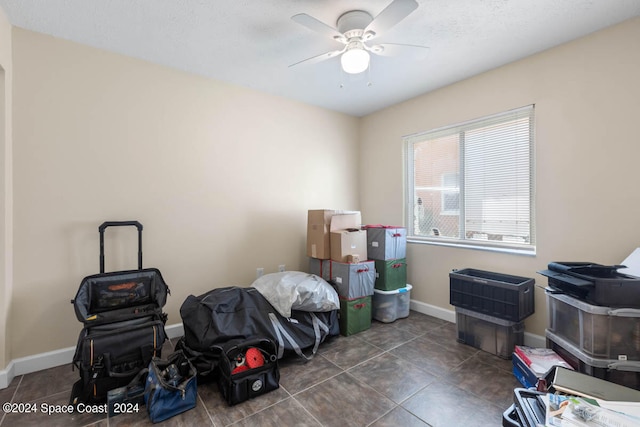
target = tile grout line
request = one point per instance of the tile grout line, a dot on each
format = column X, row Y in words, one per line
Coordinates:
column 481, row 397
column 213, row 424
column 289, row 396
column 13, row 396
column 388, row 352
column 307, row 411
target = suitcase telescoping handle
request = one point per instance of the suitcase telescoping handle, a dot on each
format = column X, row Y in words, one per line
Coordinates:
column 107, row 224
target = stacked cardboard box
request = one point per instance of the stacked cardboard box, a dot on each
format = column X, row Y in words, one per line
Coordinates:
column 337, row 247
column 387, row 246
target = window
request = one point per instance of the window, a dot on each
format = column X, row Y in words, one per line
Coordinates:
column 472, row 183
column 450, row 194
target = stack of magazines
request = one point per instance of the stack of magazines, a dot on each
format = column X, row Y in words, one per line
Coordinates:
column 531, row 364
column 574, row 411
column 574, row 399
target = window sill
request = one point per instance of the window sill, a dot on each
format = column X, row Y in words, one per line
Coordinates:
column 529, row 251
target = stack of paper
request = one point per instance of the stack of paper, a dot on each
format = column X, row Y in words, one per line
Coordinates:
column 531, row 364
column 540, row 360
column 589, row 402
column 572, row 411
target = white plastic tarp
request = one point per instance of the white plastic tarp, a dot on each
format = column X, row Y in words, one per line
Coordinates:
column 296, row 290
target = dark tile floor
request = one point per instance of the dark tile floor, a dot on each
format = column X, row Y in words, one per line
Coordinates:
column 411, row 372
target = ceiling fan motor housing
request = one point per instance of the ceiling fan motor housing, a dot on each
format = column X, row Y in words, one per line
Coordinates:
column 353, row 20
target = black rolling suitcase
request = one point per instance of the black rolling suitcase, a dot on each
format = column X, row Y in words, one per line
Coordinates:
column 123, row 319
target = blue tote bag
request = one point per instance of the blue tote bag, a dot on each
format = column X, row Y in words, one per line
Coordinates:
column 171, row 387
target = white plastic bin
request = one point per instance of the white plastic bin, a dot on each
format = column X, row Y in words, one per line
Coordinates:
column 391, row 305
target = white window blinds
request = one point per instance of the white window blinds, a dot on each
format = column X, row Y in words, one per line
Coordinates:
column 474, row 182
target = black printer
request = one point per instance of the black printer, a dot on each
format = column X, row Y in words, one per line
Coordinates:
column 594, row 283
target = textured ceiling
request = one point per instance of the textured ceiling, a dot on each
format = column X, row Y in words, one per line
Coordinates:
column 252, row 43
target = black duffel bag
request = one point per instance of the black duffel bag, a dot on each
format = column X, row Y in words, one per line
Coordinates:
column 242, row 314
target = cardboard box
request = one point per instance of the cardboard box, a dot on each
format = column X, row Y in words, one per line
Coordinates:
column 384, row 243
column 353, row 280
column 346, row 220
column 347, row 237
column 345, row 243
column 353, row 259
column 318, row 245
column 318, row 230
column 523, row 373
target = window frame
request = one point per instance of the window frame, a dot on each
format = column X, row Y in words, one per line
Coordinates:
column 411, row 196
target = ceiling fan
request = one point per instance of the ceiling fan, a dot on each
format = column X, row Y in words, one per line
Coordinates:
column 354, row 29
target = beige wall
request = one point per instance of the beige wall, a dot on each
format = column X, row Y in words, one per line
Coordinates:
column 220, row 176
column 587, row 97
column 5, row 185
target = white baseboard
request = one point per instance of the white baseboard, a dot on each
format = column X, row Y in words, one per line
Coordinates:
column 6, row 376
column 432, row 310
column 51, row 359
column 174, row 331
column 532, row 340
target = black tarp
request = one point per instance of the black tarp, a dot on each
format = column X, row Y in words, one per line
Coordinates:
column 240, row 314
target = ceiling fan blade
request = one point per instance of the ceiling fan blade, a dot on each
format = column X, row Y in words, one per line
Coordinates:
column 395, row 12
column 318, row 26
column 320, row 58
column 398, row 49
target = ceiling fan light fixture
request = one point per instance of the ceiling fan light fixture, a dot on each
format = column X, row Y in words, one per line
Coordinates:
column 355, row 60
column 354, row 28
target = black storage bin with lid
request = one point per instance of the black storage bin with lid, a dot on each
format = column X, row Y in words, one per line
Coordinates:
column 494, row 294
